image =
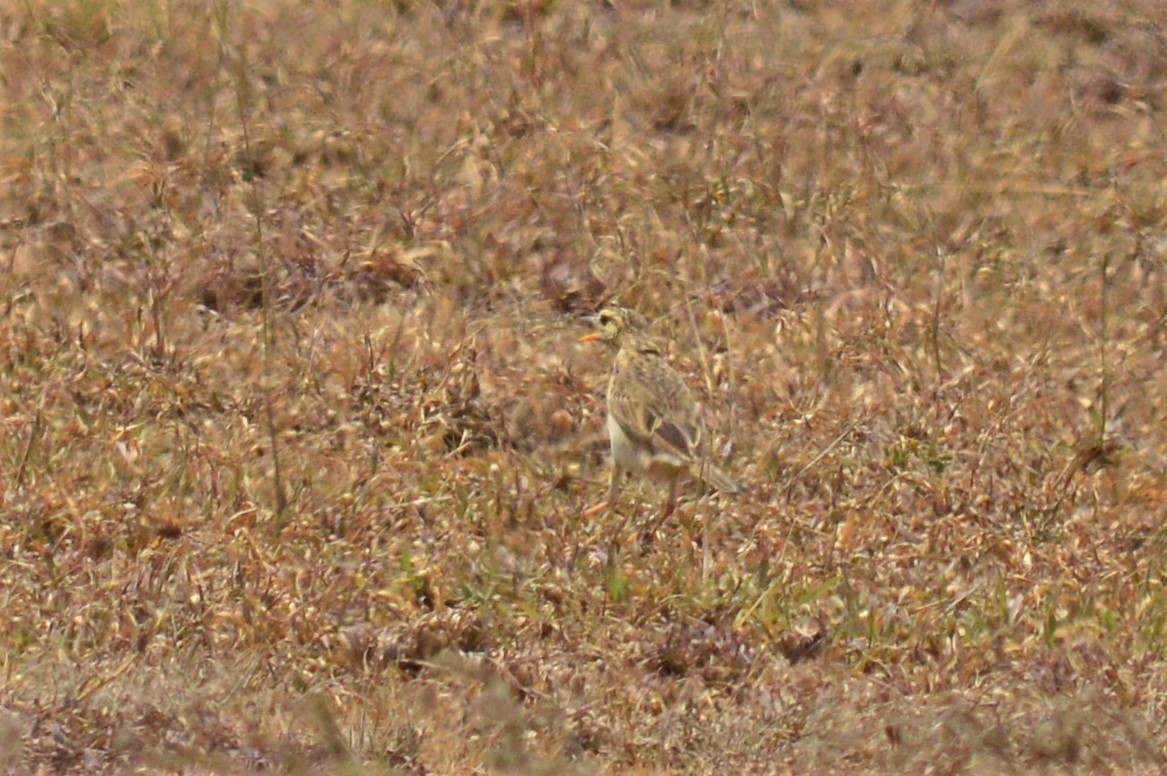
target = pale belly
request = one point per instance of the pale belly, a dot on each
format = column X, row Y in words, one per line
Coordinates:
column 638, row 458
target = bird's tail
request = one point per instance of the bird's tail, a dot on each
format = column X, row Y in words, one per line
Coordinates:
column 713, row 476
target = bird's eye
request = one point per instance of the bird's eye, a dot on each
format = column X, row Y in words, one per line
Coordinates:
column 605, row 319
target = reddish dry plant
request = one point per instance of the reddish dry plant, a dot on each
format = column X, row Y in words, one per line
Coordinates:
column 296, row 437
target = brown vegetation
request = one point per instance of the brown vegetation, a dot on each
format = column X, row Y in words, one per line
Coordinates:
column 296, row 435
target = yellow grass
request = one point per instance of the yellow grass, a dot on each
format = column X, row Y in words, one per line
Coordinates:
column 296, row 435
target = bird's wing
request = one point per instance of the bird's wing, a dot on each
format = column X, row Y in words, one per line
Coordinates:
column 655, row 410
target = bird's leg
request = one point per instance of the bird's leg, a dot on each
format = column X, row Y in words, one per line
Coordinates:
column 670, row 506
column 614, row 482
column 613, row 488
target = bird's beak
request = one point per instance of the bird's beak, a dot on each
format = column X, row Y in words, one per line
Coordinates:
column 595, row 335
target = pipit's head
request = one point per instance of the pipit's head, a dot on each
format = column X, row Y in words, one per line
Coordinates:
column 617, row 325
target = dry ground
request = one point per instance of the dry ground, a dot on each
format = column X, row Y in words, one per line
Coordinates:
column 296, row 434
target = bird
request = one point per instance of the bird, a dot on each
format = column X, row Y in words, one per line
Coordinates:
column 654, row 423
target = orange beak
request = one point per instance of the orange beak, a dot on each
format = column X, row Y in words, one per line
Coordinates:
column 595, row 335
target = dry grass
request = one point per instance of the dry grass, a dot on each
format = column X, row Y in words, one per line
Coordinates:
column 296, row 433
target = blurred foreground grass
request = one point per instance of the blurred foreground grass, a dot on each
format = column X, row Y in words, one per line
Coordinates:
column 296, row 434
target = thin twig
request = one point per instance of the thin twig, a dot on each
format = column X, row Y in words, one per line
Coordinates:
column 822, row 454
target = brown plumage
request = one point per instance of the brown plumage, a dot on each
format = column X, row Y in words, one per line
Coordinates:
column 654, row 423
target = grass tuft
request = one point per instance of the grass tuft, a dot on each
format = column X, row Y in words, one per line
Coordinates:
column 296, row 438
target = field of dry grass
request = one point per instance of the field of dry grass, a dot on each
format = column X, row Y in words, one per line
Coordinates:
column 296, row 434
